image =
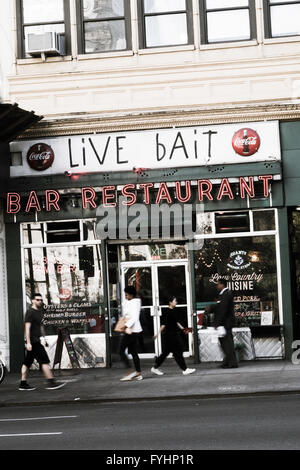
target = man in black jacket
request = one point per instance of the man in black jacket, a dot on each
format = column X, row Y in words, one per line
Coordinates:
column 224, row 316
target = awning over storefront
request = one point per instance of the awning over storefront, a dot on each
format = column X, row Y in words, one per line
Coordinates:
column 14, row 120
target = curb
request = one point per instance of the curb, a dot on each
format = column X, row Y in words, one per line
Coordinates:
column 143, row 399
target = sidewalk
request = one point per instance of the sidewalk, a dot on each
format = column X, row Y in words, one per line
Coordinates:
column 103, row 385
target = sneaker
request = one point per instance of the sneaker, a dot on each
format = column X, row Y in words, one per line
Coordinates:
column 156, row 371
column 54, row 385
column 138, row 377
column 129, row 377
column 188, row 371
column 26, row 387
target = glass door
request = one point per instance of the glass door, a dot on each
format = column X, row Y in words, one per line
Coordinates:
column 141, row 277
column 155, row 283
column 172, row 280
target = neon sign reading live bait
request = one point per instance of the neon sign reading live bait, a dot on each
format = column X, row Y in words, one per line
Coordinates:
column 108, row 194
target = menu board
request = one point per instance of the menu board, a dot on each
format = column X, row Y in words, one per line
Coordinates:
column 65, row 338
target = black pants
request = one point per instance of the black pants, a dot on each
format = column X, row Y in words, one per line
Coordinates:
column 227, row 346
column 131, row 342
column 171, row 344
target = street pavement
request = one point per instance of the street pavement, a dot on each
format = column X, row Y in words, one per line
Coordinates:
column 103, row 385
column 162, row 428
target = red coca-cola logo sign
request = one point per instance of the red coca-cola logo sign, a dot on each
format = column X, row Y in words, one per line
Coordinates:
column 246, row 142
column 40, row 157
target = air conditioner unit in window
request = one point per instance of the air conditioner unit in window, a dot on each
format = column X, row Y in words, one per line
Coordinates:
column 45, row 44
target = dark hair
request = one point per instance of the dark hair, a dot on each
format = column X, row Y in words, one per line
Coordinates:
column 171, row 298
column 36, row 294
column 223, row 281
column 131, row 290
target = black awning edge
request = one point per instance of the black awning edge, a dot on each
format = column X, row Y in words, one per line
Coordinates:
column 14, row 121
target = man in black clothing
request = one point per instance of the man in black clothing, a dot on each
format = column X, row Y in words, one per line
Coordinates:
column 34, row 349
column 224, row 316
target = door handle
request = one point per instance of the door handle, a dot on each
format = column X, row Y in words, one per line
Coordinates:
column 155, row 311
column 152, row 311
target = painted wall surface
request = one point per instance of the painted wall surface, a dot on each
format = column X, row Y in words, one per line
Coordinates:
column 6, row 49
column 198, row 75
column 290, row 145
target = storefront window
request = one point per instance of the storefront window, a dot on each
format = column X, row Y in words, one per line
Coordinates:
column 232, row 222
column 295, row 277
column 33, row 234
column 70, row 280
column 249, row 266
column 205, row 222
column 263, row 220
column 153, row 252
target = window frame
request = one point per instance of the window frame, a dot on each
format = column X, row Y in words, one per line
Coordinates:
column 80, row 28
column 21, row 27
column 142, row 26
column 204, row 29
column 267, row 19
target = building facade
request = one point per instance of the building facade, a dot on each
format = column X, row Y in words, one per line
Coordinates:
column 190, row 107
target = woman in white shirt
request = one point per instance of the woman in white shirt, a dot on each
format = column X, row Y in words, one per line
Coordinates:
column 130, row 340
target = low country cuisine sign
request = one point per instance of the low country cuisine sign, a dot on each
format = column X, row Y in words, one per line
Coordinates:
column 150, row 149
column 108, row 196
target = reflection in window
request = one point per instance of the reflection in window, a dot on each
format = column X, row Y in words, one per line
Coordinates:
column 102, row 8
column 284, row 19
column 70, row 280
column 33, row 233
column 43, row 11
column 165, row 23
column 141, row 279
column 227, row 20
column 89, row 230
column 227, row 222
column 263, row 220
column 295, row 244
column 63, row 232
column 249, row 266
column 204, row 223
column 104, row 25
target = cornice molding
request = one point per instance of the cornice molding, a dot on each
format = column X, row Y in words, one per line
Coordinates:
column 91, row 123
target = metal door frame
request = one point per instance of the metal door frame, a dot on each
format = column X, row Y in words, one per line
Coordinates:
column 154, row 265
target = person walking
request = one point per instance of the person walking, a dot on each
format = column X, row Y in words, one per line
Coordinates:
column 171, row 341
column 33, row 348
column 131, row 338
column 224, row 321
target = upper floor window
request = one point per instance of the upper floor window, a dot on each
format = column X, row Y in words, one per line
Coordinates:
column 165, row 23
column 282, row 18
column 227, row 20
column 104, row 25
column 36, row 20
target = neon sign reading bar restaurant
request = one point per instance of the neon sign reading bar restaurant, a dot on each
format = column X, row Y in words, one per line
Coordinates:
column 108, row 194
